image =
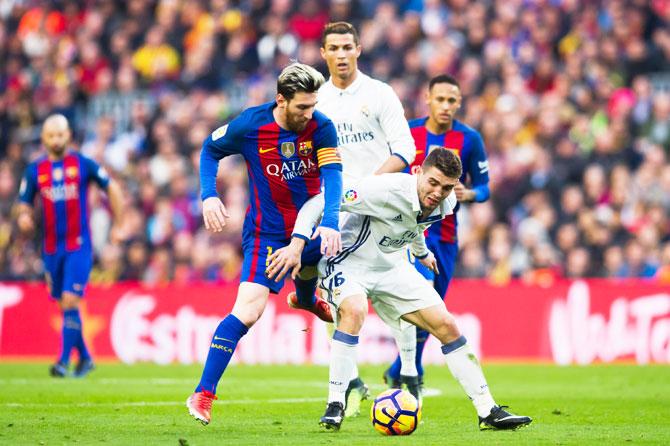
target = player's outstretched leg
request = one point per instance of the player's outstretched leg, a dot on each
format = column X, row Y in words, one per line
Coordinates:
column 224, row 342
column 465, row 367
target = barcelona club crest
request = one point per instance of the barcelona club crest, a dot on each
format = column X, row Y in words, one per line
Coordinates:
column 287, row 149
column 305, row 148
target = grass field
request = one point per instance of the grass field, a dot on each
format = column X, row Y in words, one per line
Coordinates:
column 271, row 405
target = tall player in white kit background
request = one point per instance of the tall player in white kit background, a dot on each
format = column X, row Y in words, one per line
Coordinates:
column 382, row 215
column 373, row 138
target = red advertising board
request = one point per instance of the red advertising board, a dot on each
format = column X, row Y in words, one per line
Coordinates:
column 570, row 322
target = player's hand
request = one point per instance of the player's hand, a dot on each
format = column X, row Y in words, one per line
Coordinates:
column 331, row 240
column 284, row 260
column 430, row 262
column 464, row 194
column 214, row 213
column 25, row 222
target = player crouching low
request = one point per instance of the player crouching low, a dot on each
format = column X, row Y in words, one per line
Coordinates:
column 382, row 215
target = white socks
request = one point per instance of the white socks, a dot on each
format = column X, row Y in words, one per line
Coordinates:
column 406, row 342
column 342, row 365
column 463, row 364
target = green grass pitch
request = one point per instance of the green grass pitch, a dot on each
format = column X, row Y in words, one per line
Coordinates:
column 281, row 405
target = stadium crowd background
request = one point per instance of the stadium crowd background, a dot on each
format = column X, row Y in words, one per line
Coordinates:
column 572, row 99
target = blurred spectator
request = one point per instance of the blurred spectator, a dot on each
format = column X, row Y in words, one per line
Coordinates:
column 572, row 100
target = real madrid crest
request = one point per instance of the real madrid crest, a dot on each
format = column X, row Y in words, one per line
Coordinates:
column 287, row 149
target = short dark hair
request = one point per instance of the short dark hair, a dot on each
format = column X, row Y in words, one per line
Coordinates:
column 298, row 77
column 445, row 160
column 443, row 79
column 339, row 28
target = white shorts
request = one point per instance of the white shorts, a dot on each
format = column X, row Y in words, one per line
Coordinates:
column 393, row 292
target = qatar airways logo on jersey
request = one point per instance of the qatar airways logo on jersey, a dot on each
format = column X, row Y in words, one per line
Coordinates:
column 346, row 134
column 61, row 192
column 290, row 169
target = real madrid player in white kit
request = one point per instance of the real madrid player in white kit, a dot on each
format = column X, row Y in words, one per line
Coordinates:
column 373, row 138
column 383, row 215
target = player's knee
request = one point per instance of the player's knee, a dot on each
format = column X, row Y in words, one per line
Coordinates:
column 447, row 329
column 353, row 311
column 308, row 273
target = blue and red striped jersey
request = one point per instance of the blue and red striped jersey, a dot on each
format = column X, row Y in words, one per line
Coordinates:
column 285, row 168
column 468, row 145
column 63, row 187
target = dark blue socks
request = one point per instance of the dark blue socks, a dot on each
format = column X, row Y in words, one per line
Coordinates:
column 224, row 342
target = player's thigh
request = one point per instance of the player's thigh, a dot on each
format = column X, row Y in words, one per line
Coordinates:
column 53, row 273
column 436, row 320
column 76, row 271
column 445, row 256
column 340, row 285
column 256, row 253
column 400, row 291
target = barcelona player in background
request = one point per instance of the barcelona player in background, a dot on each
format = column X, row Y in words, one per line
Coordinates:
column 61, row 178
column 291, row 152
column 440, row 129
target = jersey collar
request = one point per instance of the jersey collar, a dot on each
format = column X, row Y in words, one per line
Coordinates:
column 354, row 87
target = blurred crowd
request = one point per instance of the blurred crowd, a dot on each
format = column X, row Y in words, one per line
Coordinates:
column 571, row 97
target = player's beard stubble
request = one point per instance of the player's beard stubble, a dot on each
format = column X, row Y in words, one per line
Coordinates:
column 294, row 123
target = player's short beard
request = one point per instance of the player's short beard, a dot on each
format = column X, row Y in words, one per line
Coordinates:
column 57, row 150
column 292, row 124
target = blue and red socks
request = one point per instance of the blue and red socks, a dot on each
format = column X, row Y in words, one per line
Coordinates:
column 223, row 345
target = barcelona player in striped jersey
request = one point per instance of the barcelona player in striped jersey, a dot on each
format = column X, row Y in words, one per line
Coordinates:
column 440, row 129
column 61, row 178
column 291, row 152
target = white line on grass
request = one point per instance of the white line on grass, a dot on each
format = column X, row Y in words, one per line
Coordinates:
column 429, row 392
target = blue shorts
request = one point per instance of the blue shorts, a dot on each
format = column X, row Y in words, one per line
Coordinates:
column 256, row 252
column 68, row 272
column 445, row 255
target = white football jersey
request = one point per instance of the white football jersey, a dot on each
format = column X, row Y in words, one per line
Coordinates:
column 379, row 219
column 370, row 124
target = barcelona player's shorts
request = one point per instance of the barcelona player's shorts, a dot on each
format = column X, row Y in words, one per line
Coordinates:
column 68, row 271
column 445, row 255
column 257, row 250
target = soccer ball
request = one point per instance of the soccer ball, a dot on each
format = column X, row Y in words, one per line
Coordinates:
column 395, row 412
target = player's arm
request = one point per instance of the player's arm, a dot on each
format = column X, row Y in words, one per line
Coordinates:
column 424, row 255
column 330, row 170
column 223, row 141
column 395, row 127
column 24, row 208
column 478, row 171
column 287, row 258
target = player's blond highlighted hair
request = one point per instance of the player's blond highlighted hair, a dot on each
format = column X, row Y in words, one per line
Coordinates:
column 298, row 77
